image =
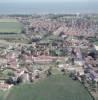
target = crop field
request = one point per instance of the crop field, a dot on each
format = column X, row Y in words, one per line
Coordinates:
column 11, row 36
column 56, row 87
column 2, row 94
column 10, row 26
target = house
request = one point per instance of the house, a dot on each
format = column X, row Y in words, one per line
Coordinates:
column 4, row 86
column 42, row 59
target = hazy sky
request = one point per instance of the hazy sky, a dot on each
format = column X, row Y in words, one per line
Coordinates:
column 48, row 0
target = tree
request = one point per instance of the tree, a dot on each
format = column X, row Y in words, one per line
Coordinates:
column 49, row 71
column 11, row 74
column 9, row 80
column 93, row 85
column 83, row 79
column 52, row 53
column 19, row 80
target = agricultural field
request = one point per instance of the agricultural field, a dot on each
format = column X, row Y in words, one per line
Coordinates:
column 12, row 36
column 10, row 26
column 56, row 87
column 2, row 93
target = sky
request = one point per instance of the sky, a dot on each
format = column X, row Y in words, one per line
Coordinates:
column 48, row 1
column 28, row 6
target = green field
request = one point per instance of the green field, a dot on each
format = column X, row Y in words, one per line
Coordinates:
column 10, row 26
column 2, row 93
column 57, row 87
column 12, row 36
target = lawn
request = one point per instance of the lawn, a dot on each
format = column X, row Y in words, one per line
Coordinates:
column 57, row 87
column 10, row 26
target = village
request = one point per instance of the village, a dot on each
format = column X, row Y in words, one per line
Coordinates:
column 62, row 43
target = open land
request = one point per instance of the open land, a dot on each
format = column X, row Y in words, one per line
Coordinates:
column 47, row 90
column 10, row 26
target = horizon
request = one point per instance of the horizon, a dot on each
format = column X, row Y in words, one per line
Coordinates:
column 42, row 1
column 65, row 6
